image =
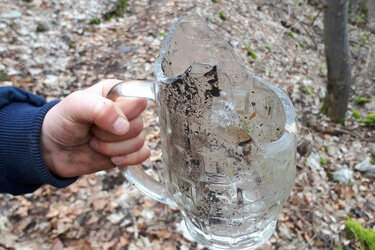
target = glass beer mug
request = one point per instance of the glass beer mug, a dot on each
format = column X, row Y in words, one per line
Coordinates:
column 228, row 139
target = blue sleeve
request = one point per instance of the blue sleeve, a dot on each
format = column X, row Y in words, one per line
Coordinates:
column 22, row 169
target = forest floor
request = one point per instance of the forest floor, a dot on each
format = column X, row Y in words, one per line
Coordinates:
column 51, row 49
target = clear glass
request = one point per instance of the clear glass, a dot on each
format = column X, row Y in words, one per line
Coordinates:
column 228, row 140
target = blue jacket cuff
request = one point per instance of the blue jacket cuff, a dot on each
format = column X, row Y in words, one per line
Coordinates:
column 21, row 162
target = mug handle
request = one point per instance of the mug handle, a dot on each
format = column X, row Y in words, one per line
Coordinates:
column 135, row 174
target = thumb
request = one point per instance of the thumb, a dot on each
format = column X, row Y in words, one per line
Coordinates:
column 88, row 108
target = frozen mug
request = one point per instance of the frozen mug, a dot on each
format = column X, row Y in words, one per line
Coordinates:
column 228, row 139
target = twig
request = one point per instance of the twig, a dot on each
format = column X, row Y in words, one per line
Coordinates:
column 135, row 227
column 316, row 17
column 308, row 33
column 333, row 130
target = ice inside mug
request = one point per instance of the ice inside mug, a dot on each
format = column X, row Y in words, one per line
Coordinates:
column 215, row 118
column 194, row 42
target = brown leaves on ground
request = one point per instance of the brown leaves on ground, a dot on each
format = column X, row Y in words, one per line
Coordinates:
column 103, row 211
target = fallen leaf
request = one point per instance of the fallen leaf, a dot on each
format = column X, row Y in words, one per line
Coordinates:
column 99, row 204
column 57, row 245
column 108, row 245
column 21, row 226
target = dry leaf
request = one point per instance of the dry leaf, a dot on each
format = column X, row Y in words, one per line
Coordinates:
column 57, row 245
column 99, row 204
column 21, row 226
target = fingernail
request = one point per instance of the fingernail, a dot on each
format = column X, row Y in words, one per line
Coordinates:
column 121, row 125
column 117, row 160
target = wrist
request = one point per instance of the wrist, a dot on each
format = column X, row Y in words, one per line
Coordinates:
column 47, row 155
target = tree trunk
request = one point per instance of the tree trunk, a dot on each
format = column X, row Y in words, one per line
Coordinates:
column 337, row 59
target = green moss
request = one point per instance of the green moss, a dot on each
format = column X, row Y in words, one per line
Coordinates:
column 302, row 44
column 371, row 117
column 108, row 15
column 365, row 38
column 309, row 17
column 359, row 19
column 163, row 34
column 222, row 16
column 362, row 100
column 369, row 120
column 41, row 27
column 372, row 160
column 307, row 90
column 215, row 1
column 118, row 11
column 291, row 34
column 121, row 7
column 95, row 21
column 324, row 109
column 4, row 77
column 363, row 10
column 323, row 161
column 250, row 51
column 322, row 68
column 71, row 44
column 356, row 113
column 354, row 230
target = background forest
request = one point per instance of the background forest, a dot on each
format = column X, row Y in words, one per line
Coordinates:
column 55, row 47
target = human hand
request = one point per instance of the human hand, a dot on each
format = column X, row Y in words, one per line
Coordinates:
column 87, row 132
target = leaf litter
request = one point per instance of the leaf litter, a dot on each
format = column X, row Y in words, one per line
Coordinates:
column 102, row 210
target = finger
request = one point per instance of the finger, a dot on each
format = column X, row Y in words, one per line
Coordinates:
column 133, row 158
column 88, row 108
column 136, row 127
column 102, row 88
column 131, row 107
column 117, row 148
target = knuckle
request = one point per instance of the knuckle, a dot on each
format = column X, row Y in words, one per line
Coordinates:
column 103, row 108
column 76, row 94
column 74, row 97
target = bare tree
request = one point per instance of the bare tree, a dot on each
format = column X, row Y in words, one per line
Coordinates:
column 337, row 59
